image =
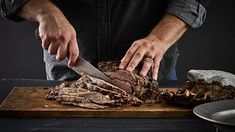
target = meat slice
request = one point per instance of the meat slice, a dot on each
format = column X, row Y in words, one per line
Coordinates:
column 139, row 86
column 86, row 105
column 78, row 96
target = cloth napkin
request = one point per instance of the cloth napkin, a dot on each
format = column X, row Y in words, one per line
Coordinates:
column 225, row 78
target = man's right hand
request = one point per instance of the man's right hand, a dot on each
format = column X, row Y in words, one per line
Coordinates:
column 59, row 38
column 57, row 34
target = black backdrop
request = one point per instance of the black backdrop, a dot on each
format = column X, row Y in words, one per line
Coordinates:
column 209, row 47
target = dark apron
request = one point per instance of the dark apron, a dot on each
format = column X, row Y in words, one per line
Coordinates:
column 106, row 29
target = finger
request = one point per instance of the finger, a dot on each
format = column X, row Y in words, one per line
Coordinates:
column 148, row 62
column 73, row 53
column 52, row 49
column 155, row 68
column 62, row 51
column 138, row 56
column 45, row 43
column 128, row 56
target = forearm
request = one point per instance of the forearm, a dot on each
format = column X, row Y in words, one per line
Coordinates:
column 56, row 33
column 40, row 10
column 168, row 30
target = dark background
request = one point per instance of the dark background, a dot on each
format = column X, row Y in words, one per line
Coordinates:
column 209, row 47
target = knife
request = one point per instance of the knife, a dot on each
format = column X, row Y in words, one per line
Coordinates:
column 83, row 66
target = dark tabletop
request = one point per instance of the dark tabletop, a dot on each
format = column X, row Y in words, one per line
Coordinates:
column 93, row 124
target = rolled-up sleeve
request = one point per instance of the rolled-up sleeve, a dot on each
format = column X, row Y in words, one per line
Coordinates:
column 10, row 7
column 192, row 12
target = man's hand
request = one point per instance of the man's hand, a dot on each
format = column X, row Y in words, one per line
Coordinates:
column 151, row 52
column 57, row 34
column 151, row 49
column 59, row 38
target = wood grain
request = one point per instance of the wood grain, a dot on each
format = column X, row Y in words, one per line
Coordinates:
column 30, row 102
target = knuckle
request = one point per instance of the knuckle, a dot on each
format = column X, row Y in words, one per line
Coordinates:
column 44, row 41
column 148, row 60
column 62, row 37
column 52, row 52
column 48, row 35
column 61, row 57
column 55, row 36
column 145, row 68
column 132, row 64
column 73, row 49
column 125, row 62
column 44, row 37
column 45, row 46
column 138, row 54
column 74, row 33
column 155, row 66
column 74, row 54
column 160, row 56
column 54, row 45
column 153, row 48
column 129, row 53
column 146, row 44
column 136, row 43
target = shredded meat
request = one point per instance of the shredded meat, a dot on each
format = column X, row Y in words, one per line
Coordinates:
column 198, row 92
column 94, row 93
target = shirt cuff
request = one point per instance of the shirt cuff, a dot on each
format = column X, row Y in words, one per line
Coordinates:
column 190, row 11
column 9, row 8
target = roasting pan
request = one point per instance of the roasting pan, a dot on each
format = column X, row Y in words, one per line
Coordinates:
column 220, row 113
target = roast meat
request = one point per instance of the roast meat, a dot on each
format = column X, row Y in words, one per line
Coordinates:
column 90, row 92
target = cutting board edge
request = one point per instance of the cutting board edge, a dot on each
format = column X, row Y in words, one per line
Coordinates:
column 96, row 114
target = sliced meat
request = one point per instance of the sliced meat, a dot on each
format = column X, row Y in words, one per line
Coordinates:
column 94, row 93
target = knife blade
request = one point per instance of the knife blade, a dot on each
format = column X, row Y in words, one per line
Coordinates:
column 84, row 67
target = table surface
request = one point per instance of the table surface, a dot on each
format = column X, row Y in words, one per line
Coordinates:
column 93, row 124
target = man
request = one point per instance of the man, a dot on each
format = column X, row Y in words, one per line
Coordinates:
column 132, row 31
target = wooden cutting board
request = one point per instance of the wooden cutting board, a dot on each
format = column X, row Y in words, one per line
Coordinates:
column 30, row 102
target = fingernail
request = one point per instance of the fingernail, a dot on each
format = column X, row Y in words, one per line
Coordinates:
column 129, row 69
column 121, row 66
column 70, row 64
column 57, row 58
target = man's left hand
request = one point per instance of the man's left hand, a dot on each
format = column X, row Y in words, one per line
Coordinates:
column 148, row 50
